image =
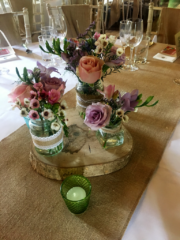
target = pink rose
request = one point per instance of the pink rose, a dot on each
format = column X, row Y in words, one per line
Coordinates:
column 54, row 83
column 108, row 91
column 90, row 69
column 53, row 96
column 97, row 115
column 96, row 35
column 22, row 91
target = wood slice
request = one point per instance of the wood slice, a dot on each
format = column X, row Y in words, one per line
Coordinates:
column 82, row 153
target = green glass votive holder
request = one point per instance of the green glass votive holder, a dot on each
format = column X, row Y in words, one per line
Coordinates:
column 76, row 191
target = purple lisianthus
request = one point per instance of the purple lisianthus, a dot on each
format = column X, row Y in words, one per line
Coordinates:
column 116, row 62
column 129, row 101
column 97, row 116
column 45, row 72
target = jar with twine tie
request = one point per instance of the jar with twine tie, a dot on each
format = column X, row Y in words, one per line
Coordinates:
column 86, row 94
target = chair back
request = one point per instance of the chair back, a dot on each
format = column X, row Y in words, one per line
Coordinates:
column 10, row 28
column 38, row 16
column 78, row 17
column 169, row 25
column 10, row 25
column 150, row 19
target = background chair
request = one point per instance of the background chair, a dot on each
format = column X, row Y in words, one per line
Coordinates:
column 38, row 16
column 149, row 32
column 10, row 26
column 169, row 25
column 78, row 17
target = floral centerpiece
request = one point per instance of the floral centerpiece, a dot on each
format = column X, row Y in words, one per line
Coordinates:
column 39, row 98
column 106, row 117
column 91, row 59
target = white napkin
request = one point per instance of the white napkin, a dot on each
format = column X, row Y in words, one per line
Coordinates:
column 163, row 57
column 8, row 58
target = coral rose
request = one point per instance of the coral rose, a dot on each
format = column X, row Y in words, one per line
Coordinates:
column 21, row 91
column 97, row 115
column 89, row 69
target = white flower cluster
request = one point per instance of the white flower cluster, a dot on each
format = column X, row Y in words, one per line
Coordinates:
column 23, row 111
column 102, row 43
column 46, row 114
column 120, row 114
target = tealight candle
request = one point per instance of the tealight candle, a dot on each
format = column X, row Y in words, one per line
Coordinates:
column 76, row 194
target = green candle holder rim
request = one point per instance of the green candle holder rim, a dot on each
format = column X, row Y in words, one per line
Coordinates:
column 87, row 196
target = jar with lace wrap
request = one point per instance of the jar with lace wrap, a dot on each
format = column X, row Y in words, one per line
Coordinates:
column 111, row 136
column 45, row 140
column 86, row 94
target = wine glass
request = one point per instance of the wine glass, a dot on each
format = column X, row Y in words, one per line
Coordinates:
column 134, row 39
column 124, row 34
column 59, row 31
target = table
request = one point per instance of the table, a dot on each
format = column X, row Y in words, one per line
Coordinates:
column 157, row 214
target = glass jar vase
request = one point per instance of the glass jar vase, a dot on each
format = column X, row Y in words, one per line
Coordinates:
column 87, row 94
column 110, row 136
column 45, row 140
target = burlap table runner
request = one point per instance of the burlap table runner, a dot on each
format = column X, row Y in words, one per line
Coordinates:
column 31, row 205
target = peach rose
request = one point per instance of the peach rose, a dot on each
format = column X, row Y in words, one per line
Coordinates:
column 21, row 91
column 89, row 69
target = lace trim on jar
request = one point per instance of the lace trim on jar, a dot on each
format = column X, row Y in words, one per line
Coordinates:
column 50, row 142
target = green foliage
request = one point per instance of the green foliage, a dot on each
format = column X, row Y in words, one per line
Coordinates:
column 47, row 106
column 55, row 108
column 55, row 49
column 66, row 44
column 82, row 115
column 148, row 100
column 25, row 78
column 110, row 70
column 105, row 68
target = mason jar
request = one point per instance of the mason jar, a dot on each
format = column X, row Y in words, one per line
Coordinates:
column 45, row 140
column 86, row 94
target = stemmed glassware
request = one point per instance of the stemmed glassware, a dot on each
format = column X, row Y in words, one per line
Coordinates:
column 59, row 31
column 134, row 38
column 124, row 34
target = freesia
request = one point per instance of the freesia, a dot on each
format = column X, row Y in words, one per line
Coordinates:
column 45, row 72
column 108, row 91
column 129, row 101
column 38, row 86
column 96, row 35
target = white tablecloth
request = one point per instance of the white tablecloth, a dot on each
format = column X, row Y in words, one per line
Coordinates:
column 157, row 216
